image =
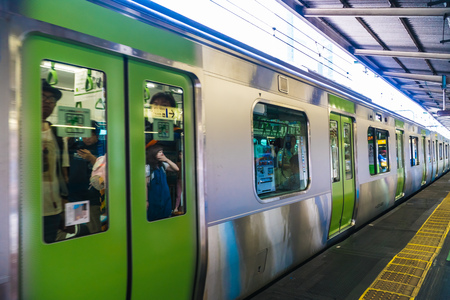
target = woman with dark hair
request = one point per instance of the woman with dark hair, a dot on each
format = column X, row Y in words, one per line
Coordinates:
column 159, row 203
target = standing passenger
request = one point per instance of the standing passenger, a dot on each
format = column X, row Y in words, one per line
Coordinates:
column 83, row 155
column 179, row 186
column 53, row 183
column 159, row 203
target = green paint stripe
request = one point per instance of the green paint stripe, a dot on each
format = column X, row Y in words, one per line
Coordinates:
column 341, row 104
column 399, row 123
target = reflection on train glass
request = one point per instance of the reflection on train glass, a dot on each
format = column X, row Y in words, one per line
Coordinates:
column 280, row 150
column 73, row 138
column 163, row 112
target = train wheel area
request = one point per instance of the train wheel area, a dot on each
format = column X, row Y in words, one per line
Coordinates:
column 402, row 255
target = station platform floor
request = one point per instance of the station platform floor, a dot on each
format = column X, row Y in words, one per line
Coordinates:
column 402, row 255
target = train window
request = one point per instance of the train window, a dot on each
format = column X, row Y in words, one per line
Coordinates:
column 414, row 147
column 440, row 151
column 163, row 112
column 378, row 150
column 334, row 144
column 74, row 137
column 280, row 150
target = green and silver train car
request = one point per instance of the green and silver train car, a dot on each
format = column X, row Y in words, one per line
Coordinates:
column 262, row 166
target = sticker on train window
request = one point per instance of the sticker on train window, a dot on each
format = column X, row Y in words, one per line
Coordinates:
column 74, row 141
column 280, row 150
column 164, row 144
column 76, row 213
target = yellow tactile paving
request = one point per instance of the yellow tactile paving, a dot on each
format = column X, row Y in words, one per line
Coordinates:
column 402, row 278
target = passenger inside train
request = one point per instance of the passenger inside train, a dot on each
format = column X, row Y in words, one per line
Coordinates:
column 280, row 149
column 164, row 144
column 159, row 201
column 293, row 181
column 71, row 143
column 83, row 154
column 54, row 186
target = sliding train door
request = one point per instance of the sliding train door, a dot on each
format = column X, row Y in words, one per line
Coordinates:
column 101, row 216
column 343, row 170
column 73, row 241
column 163, row 235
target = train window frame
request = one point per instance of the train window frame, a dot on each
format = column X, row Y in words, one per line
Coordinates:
column 268, row 154
column 76, row 136
column 375, row 166
column 414, row 150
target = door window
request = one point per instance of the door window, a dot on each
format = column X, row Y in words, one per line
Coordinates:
column 399, row 138
column 429, row 151
column 74, row 143
column 334, row 144
column 348, row 151
column 164, row 144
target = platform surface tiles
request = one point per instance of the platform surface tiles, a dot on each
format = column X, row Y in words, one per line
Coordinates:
column 403, row 255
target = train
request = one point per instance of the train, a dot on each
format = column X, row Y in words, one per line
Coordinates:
column 273, row 163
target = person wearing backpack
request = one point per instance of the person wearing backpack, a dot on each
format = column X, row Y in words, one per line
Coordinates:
column 159, row 203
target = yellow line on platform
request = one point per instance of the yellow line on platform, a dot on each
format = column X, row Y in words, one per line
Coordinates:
column 403, row 276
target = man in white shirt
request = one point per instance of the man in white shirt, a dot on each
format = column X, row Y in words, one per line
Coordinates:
column 53, row 183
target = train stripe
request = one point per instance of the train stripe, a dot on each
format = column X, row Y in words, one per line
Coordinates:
column 402, row 278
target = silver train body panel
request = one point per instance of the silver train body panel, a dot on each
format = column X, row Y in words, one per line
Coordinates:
column 247, row 253
column 251, row 241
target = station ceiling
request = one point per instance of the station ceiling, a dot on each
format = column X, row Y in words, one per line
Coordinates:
column 405, row 41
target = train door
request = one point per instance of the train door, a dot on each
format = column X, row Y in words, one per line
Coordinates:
column 425, row 161
column 73, row 240
column 84, row 221
column 343, row 179
column 163, row 238
column 400, row 164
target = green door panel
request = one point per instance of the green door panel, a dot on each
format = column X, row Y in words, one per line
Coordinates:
column 92, row 266
column 343, row 185
column 164, row 251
